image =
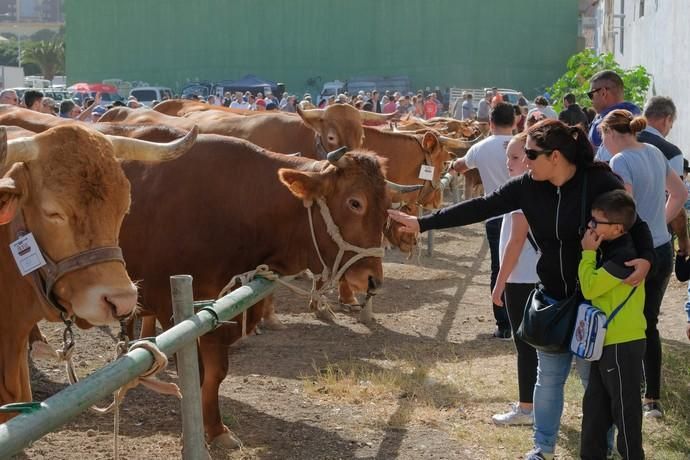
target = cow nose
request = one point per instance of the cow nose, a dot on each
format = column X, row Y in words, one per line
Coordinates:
column 373, row 285
column 122, row 304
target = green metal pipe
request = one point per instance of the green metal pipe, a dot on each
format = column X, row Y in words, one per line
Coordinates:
column 60, row 408
column 194, row 443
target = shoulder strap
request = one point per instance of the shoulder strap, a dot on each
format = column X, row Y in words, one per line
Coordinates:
column 618, row 308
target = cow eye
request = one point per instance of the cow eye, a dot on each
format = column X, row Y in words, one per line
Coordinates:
column 355, row 205
column 55, row 216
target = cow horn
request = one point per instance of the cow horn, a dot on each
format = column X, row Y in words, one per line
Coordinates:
column 452, row 143
column 380, row 117
column 134, row 149
column 3, row 146
column 20, row 149
column 403, row 188
column 334, row 156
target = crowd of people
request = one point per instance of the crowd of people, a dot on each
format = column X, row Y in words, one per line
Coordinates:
column 617, row 167
column 539, row 168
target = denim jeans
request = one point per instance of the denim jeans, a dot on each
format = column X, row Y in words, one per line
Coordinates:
column 493, row 234
column 552, row 372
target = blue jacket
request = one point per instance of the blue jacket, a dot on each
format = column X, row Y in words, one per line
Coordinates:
column 594, row 135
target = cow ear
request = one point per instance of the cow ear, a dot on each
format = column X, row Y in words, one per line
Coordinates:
column 312, row 118
column 13, row 190
column 304, row 185
column 429, row 141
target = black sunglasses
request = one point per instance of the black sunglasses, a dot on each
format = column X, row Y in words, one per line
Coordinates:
column 532, row 154
column 590, row 94
column 593, row 223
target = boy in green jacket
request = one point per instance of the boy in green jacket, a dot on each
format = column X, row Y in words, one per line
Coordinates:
column 613, row 392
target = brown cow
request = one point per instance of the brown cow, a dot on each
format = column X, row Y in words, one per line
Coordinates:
column 66, row 188
column 312, row 133
column 181, row 107
column 236, row 206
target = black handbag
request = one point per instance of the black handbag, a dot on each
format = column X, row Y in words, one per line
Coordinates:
column 548, row 326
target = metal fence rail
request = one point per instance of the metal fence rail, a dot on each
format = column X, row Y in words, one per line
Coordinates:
column 60, row 408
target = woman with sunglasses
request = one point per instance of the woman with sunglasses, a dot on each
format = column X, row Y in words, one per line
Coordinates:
column 550, row 195
column 648, row 177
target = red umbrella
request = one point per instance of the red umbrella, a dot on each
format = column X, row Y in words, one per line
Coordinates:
column 92, row 87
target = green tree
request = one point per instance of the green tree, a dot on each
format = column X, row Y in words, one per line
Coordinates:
column 583, row 65
column 48, row 55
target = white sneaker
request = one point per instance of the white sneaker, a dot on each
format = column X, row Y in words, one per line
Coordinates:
column 515, row 416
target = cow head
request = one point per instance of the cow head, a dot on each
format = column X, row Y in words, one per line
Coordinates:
column 338, row 125
column 354, row 188
column 431, row 196
column 404, row 241
column 72, row 194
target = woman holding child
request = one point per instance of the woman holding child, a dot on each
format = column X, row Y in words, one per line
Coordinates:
column 550, row 195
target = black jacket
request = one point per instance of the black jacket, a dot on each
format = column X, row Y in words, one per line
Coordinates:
column 574, row 115
column 553, row 214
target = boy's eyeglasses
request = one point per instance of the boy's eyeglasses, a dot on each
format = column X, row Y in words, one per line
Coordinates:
column 593, row 223
column 532, row 154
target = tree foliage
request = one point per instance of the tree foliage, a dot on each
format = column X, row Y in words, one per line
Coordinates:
column 48, row 55
column 583, row 65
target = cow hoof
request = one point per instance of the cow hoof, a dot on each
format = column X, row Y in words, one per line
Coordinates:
column 272, row 323
column 350, row 306
column 226, row 440
column 42, row 350
column 325, row 314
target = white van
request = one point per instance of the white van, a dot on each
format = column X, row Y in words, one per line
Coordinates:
column 148, row 94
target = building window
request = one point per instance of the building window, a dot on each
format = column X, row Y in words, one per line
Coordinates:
column 641, row 8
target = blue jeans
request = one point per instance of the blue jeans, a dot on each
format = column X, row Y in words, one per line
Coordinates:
column 552, row 372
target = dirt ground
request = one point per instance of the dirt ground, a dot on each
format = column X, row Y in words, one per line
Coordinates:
column 420, row 383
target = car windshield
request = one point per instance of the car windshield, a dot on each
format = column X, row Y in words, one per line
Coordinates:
column 199, row 90
column 144, row 94
column 511, row 98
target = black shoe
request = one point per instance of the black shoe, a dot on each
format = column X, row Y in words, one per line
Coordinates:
column 501, row 333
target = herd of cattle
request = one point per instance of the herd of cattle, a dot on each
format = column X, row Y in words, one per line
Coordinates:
column 173, row 190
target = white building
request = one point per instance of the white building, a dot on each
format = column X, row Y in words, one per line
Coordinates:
column 655, row 34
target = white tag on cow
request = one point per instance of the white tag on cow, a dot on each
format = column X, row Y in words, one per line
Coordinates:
column 426, row 172
column 26, row 254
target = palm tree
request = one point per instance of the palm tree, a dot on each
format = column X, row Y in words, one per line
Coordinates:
column 48, row 55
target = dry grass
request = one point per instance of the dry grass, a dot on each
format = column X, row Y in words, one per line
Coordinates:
column 460, row 395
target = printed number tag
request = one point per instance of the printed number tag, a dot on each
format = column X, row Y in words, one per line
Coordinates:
column 426, row 172
column 27, row 254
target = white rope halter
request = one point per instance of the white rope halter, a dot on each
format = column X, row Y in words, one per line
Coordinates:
column 328, row 276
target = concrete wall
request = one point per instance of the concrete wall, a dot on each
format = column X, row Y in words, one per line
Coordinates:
column 659, row 40
column 467, row 43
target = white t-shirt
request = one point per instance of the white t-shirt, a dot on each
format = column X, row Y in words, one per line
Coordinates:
column 240, row 105
column 525, row 271
column 489, row 157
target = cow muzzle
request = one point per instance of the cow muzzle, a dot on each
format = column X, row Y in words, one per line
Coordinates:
column 373, row 286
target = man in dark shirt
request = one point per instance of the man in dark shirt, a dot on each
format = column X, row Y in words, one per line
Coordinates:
column 573, row 114
column 660, row 112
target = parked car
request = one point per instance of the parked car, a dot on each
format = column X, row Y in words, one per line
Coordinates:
column 201, row 89
column 148, row 94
